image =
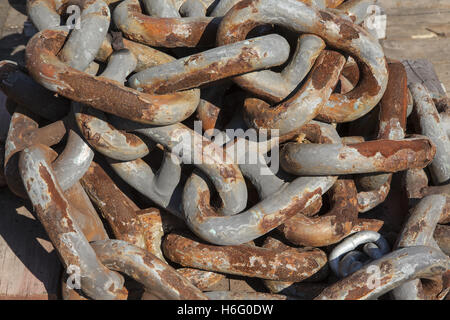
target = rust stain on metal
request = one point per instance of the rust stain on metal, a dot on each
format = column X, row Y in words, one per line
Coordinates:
column 351, row 73
column 367, row 88
column 296, row 205
column 394, row 103
column 54, row 193
column 321, row 74
column 330, row 227
column 101, row 93
column 289, row 265
column 198, row 76
column 422, row 147
column 348, row 32
column 167, row 32
column 208, row 114
column 204, row 280
column 115, row 206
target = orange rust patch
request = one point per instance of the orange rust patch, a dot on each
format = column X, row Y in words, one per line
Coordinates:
column 369, row 86
column 164, row 32
column 245, row 259
column 296, row 205
column 108, row 96
column 205, row 207
column 55, row 195
column 115, row 206
column 394, row 104
column 192, row 59
column 351, row 73
column 194, row 76
column 390, row 148
column 313, row 133
column 132, row 139
column 328, row 62
column 348, row 32
column 312, row 209
column 208, row 114
column 201, row 279
column 329, row 228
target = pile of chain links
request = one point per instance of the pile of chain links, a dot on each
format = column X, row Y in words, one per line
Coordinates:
column 128, row 81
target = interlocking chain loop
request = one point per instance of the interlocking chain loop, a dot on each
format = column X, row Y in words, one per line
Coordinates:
column 242, row 192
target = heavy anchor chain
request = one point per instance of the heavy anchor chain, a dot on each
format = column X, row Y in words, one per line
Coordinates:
column 283, row 206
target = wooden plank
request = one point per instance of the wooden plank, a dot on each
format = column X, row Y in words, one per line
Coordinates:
column 411, row 21
column 422, row 71
column 404, row 28
column 419, row 30
column 416, row 12
column 432, row 49
column 391, row 4
column 29, row 266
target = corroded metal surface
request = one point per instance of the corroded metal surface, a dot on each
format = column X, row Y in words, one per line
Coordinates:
column 306, row 103
column 94, row 126
column 84, row 213
column 160, row 186
column 153, row 230
column 80, row 48
column 53, row 211
column 289, row 265
column 275, row 86
column 279, row 286
column 392, row 126
column 442, row 237
column 73, row 162
column 430, row 126
column 263, row 202
column 159, row 278
column 329, row 228
column 336, row 31
column 212, row 65
column 366, row 157
column 204, row 280
column 254, row 222
column 114, row 205
column 103, row 94
column 196, row 149
column 163, row 31
column 25, row 132
column 419, row 230
column 395, row 268
column 146, row 56
column 357, row 10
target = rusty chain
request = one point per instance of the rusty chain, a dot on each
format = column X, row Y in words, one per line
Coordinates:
column 304, row 125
